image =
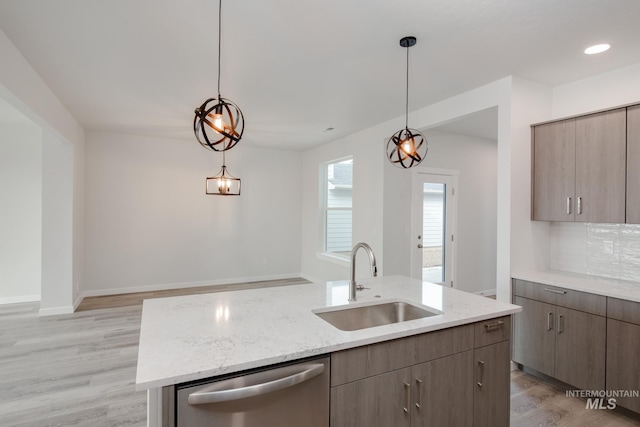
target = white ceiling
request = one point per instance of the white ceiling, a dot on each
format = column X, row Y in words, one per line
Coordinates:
column 297, row 67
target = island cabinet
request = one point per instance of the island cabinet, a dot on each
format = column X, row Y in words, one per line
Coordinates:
column 623, row 348
column 561, row 333
column 579, row 168
column 457, row 376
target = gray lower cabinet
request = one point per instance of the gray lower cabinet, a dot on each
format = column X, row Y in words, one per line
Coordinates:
column 623, row 348
column 492, row 390
column 453, row 377
column 565, row 343
column 379, row 401
column 441, row 392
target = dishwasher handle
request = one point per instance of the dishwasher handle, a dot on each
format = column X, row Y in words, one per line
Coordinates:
column 205, row 397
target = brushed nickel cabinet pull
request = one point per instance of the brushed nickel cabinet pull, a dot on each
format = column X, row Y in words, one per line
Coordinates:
column 493, row 326
column 568, row 205
column 579, row 206
column 549, row 321
column 560, row 324
column 419, row 385
column 481, row 363
column 407, row 392
column 555, row 291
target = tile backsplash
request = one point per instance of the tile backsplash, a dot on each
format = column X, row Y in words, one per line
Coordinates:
column 605, row 250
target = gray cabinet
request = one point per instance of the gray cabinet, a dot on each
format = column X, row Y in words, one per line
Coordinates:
column 633, row 165
column 579, row 169
column 426, row 380
column 623, row 348
column 492, row 390
column 561, row 333
column 554, row 171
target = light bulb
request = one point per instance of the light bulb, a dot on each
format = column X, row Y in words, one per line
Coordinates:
column 218, row 123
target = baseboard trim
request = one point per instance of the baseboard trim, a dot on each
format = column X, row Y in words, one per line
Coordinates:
column 184, row 285
column 54, row 311
column 20, row 299
column 77, row 302
column 310, row 278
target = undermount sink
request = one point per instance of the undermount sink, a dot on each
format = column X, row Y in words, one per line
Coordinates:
column 368, row 316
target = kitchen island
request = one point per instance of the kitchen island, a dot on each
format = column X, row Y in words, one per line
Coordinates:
column 189, row 338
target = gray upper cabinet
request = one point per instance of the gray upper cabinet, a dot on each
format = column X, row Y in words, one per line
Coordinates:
column 633, row 165
column 601, row 167
column 579, row 168
column 554, row 170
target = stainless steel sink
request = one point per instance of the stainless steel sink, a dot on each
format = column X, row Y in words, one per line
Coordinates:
column 368, row 316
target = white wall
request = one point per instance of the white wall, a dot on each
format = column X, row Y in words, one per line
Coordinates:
column 23, row 88
column 20, row 212
column 476, row 197
column 149, row 224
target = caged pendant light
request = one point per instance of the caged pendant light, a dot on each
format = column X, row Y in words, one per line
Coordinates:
column 407, row 147
column 223, row 184
column 218, row 123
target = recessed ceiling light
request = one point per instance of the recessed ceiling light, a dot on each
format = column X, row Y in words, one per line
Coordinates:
column 598, row 48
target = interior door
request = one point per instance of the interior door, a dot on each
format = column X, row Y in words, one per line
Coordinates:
column 433, row 228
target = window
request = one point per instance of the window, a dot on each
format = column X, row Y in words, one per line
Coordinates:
column 337, row 180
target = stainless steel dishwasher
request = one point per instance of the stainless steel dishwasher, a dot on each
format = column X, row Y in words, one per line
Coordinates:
column 290, row 395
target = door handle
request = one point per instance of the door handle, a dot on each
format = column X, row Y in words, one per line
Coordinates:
column 560, row 324
column 420, row 246
column 549, row 321
column 579, row 209
column 568, row 205
column 407, row 392
column 204, row 397
column 481, row 364
column 419, row 385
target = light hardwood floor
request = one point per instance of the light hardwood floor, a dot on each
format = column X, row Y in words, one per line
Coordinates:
column 79, row 370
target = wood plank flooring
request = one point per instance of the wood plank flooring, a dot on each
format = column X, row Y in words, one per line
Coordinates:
column 79, row 370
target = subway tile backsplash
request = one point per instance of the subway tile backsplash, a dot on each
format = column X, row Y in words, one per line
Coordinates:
column 605, row 250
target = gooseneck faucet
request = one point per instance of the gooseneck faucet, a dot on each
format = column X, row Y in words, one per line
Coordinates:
column 372, row 261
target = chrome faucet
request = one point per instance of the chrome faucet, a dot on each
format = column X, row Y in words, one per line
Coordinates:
column 372, row 261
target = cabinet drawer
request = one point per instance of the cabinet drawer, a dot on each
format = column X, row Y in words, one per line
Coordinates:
column 582, row 301
column 366, row 361
column 627, row 311
column 492, row 331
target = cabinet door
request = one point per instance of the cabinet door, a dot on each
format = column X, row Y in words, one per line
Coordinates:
column 442, row 393
column 534, row 335
column 633, row 165
column 380, row 401
column 554, row 171
column 492, row 391
column 623, row 370
column 580, row 349
column 601, row 167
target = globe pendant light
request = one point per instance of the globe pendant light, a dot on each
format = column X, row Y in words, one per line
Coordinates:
column 218, row 123
column 407, row 147
column 223, row 184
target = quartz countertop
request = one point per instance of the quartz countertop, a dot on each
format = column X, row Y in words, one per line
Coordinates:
column 199, row 336
column 581, row 282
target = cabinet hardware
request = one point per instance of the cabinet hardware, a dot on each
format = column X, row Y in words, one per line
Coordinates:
column 493, row 326
column 481, row 363
column 579, row 206
column 419, row 385
column 568, row 205
column 555, row 291
column 419, row 246
column 549, row 321
column 407, row 392
column 560, row 324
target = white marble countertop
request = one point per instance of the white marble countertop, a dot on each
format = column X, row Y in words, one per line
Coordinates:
column 581, row 282
column 199, row 336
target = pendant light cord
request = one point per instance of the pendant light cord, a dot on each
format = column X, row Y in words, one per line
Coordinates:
column 219, row 41
column 406, row 110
